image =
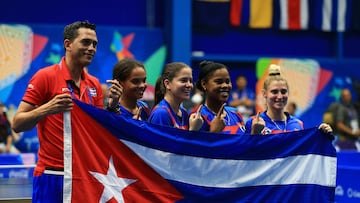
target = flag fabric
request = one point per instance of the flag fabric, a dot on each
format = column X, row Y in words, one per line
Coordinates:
column 251, row 13
column 331, row 15
column 210, row 15
column 355, row 15
column 109, row 158
column 293, row 14
column 235, row 12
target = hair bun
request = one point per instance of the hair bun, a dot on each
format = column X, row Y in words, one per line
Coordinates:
column 274, row 70
column 204, row 63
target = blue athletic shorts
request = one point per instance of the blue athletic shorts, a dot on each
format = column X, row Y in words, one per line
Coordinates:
column 48, row 188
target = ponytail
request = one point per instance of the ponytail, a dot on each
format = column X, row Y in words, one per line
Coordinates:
column 169, row 72
column 159, row 90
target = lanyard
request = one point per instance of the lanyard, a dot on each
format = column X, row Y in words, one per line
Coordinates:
column 173, row 119
column 70, row 87
column 80, row 96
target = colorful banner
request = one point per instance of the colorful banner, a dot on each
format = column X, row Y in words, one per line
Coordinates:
column 305, row 77
column 24, row 49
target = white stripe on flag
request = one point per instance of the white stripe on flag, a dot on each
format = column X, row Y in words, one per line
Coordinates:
column 284, row 18
column 304, row 14
column 326, row 15
column 341, row 15
column 67, row 158
column 306, row 169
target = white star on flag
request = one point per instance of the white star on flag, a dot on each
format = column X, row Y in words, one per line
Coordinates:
column 113, row 185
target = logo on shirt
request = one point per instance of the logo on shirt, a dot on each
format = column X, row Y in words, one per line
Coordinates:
column 30, row 86
column 266, row 131
column 65, row 89
column 92, row 92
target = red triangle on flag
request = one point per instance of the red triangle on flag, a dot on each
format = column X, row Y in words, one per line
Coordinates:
column 89, row 156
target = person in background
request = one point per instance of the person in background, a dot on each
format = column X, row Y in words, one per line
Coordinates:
column 214, row 81
column 347, row 123
column 243, row 97
column 131, row 75
column 49, row 94
column 172, row 88
column 6, row 137
column 275, row 119
column 291, row 108
column 197, row 100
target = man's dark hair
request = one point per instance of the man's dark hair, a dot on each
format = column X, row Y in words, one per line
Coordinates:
column 71, row 30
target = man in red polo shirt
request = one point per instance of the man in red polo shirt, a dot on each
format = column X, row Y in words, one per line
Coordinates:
column 49, row 94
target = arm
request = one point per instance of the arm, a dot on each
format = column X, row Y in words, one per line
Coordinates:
column 27, row 116
column 241, row 102
column 340, row 126
column 248, row 100
column 9, row 143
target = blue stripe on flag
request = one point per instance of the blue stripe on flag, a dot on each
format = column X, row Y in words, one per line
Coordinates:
column 202, row 144
column 316, row 14
column 245, row 13
column 276, row 14
column 334, row 16
column 348, row 15
column 355, row 15
column 270, row 194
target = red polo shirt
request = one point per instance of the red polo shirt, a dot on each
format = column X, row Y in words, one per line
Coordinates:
column 43, row 86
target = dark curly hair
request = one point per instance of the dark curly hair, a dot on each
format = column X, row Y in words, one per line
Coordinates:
column 206, row 69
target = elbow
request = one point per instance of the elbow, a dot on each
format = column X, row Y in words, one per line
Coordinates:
column 16, row 129
column 19, row 127
column 16, row 126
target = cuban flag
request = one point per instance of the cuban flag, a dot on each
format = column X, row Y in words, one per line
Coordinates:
column 109, row 158
column 331, row 15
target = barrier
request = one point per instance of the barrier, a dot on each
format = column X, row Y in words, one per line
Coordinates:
column 16, row 172
column 348, row 177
